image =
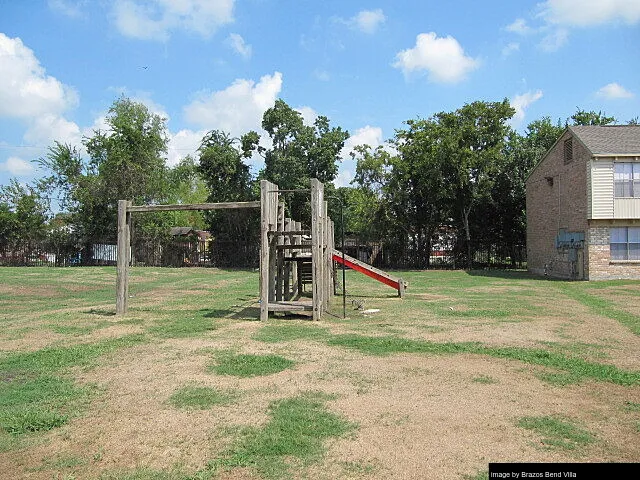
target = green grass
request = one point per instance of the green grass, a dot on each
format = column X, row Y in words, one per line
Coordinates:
column 481, row 475
column 578, row 368
column 632, row 406
column 201, row 398
column 291, row 332
column 38, row 404
column 34, row 394
column 556, row 432
column 245, row 365
column 484, row 379
column 294, row 435
column 54, row 359
column 183, row 327
column 599, row 305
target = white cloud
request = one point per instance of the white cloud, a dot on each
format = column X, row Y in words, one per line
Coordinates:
column 520, row 27
column 344, row 178
column 309, row 115
column 236, row 42
column 553, row 41
column 183, row 143
column 36, row 99
column 510, row 48
column 26, row 91
column 322, row 75
column 521, row 102
column 69, row 8
column 367, row 21
column 17, row 166
column 614, row 91
column 583, row 13
column 46, row 129
column 443, row 58
column 156, row 19
column 236, row 109
column 366, row 135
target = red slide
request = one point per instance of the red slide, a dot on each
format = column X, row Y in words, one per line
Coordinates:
column 368, row 270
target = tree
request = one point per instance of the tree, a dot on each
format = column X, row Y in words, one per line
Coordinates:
column 186, row 185
column 228, row 179
column 582, row 117
column 23, row 217
column 300, row 152
column 507, row 201
column 470, row 142
column 125, row 162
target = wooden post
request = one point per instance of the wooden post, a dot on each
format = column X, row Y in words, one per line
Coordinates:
column 317, row 263
column 401, row 288
column 297, row 269
column 264, row 249
column 124, row 249
column 287, row 265
column 280, row 254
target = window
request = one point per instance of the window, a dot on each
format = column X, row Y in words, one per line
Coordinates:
column 626, row 179
column 568, row 151
column 625, row 243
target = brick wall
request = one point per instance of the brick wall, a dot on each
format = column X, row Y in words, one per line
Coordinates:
column 599, row 258
column 550, row 207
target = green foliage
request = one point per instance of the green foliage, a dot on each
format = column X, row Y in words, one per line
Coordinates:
column 23, row 216
column 300, row 152
column 556, row 432
column 125, row 162
column 583, row 117
column 186, row 185
column 295, row 433
column 228, row 179
column 202, row 398
column 245, row 365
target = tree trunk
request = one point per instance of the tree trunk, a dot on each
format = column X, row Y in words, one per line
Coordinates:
column 465, row 221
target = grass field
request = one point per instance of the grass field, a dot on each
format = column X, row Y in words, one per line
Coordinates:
column 469, row 368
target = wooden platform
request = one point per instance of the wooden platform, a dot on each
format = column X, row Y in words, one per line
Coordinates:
column 291, row 306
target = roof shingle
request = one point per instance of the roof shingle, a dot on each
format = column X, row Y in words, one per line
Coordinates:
column 609, row 139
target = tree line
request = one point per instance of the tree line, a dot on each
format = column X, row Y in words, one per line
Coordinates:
column 464, row 169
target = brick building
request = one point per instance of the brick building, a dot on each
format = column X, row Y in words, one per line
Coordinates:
column 583, row 205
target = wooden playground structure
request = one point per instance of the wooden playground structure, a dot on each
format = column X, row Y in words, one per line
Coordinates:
column 291, row 255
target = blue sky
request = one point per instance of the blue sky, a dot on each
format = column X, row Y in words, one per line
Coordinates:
column 367, row 65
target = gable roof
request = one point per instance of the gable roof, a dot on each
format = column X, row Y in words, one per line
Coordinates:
column 609, row 139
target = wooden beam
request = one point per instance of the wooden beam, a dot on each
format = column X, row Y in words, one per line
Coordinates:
column 124, row 248
column 192, row 206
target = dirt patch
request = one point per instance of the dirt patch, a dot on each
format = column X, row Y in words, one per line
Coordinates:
column 418, row 416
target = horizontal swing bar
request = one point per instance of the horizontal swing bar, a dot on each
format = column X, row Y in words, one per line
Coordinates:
column 192, row 206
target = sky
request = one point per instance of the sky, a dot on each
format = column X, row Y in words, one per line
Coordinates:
column 366, row 65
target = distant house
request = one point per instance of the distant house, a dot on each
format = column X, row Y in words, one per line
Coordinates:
column 583, row 205
column 203, row 236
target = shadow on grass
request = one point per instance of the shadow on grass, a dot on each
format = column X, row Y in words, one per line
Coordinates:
column 101, row 312
column 240, row 313
column 512, row 275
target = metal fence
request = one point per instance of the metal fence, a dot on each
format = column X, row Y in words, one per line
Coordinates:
column 165, row 253
column 382, row 255
column 179, row 252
